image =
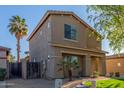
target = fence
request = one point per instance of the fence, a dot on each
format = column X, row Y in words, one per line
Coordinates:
column 15, row 70
column 29, row 70
column 33, row 70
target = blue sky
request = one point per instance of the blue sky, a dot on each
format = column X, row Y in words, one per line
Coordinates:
column 33, row 14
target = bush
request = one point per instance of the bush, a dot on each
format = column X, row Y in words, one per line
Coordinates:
column 88, row 83
column 80, row 74
column 117, row 74
column 95, row 74
column 111, row 74
column 2, row 74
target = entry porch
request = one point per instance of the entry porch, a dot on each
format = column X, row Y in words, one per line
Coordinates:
column 81, row 65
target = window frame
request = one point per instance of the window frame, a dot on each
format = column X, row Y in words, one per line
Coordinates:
column 72, row 32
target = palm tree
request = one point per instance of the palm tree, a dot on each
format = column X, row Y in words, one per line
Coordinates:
column 18, row 27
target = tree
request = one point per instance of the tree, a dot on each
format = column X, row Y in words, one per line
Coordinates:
column 69, row 64
column 109, row 22
column 27, row 58
column 18, row 27
column 11, row 58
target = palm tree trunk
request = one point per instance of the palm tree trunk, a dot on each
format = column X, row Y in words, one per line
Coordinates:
column 18, row 50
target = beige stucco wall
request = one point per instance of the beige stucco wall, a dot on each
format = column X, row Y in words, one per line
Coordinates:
column 83, row 38
column 38, row 44
column 112, row 65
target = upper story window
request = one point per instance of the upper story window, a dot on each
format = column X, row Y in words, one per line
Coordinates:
column 70, row 32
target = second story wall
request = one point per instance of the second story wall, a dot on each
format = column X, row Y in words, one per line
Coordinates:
column 82, row 34
column 58, row 22
column 92, row 41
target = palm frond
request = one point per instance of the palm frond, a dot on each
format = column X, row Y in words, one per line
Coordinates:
column 18, row 26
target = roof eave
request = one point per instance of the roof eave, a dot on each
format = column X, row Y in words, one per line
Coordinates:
column 60, row 12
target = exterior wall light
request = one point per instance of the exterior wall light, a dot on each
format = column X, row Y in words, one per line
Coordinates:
column 118, row 64
column 48, row 57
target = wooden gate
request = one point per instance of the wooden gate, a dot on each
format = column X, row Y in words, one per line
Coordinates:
column 15, row 70
column 33, row 70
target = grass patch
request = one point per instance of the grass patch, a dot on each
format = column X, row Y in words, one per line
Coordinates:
column 111, row 83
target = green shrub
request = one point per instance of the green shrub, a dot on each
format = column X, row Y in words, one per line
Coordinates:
column 88, row 83
column 117, row 74
column 111, row 74
column 95, row 74
column 2, row 74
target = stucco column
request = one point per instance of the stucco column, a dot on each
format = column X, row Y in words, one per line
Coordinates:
column 103, row 62
column 24, row 70
column 88, row 65
column 58, row 70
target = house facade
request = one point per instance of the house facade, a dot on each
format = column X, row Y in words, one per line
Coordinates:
column 4, row 52
column 115, row 63
column 63, row 36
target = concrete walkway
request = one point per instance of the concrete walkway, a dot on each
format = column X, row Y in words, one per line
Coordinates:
column 78, row 81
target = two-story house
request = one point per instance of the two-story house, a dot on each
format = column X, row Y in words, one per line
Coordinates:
column 62, row 35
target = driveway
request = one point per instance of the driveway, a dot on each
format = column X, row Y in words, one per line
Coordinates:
column 31, row 83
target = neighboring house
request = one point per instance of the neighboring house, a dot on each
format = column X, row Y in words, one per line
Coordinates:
column 61, row 35
column 115, row 63
column 4, row 52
